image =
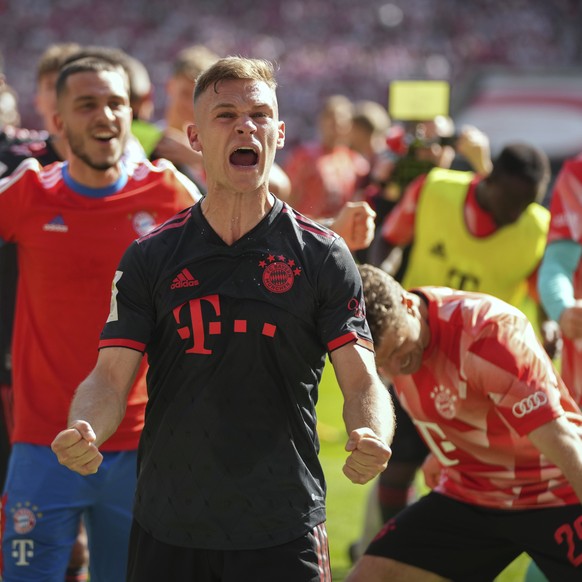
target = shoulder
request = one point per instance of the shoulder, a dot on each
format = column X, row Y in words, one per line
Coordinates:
column 28, row 170
column 141, row 170
column 306, row 227
column 163, row 172
column 171, row 228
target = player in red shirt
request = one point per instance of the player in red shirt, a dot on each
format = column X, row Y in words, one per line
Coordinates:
column 328, row 174
column 560, row 278
column 71, row 222
column 502, row 427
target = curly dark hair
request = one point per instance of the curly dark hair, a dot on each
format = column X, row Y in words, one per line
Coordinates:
column 383, row 298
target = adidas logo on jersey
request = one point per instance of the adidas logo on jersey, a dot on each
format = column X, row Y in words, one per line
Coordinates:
column 184, row 279
column 57, row 224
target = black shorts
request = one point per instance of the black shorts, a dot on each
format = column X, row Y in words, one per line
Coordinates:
column 302, row 560
column 469, row 543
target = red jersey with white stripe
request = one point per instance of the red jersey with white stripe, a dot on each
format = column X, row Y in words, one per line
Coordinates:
column 566, row 224
column 485, row 383
column 70, row 239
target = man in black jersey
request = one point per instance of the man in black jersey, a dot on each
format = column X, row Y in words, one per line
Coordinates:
column 236, row 302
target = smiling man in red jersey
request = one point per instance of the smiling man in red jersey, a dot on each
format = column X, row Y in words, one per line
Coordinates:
column 71, row 222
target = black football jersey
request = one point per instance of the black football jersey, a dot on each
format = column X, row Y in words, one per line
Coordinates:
column 236, row 337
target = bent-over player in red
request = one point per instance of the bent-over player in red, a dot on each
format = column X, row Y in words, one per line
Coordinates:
column 502, row 427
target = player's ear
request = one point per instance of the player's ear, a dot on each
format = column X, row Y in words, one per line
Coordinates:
column 58, row 124
column 281, row 138
column 194, row 137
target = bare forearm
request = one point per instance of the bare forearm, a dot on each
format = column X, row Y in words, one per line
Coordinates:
column 561, row 443
column 572, row 464
column 101, row 398
column 371, row 406
column 99, row 405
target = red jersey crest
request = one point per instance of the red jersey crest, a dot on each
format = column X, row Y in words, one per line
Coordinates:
column 279, row 273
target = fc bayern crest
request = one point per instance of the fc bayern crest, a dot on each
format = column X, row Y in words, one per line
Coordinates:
column 279, row 273
column 24, row 518
column 445, row 402
column 143, row 223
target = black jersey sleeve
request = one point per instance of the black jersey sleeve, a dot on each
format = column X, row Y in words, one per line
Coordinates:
column 342, row 315
column 131, row 317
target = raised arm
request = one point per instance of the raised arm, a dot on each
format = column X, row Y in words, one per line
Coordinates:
column 556, row 288
column 560, row 442
column 97, row 409
column 368, row 413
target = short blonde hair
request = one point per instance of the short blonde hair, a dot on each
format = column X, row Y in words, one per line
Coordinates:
column 232, row 68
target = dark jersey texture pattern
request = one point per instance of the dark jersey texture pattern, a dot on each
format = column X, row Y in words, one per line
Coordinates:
column 236, row 337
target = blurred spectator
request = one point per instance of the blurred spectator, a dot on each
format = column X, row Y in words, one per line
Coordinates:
column 179, row 111
column 142, row 104
column 370, row 124
column 368, row 137
column 9, row 114
column 320, row 49
column 454, row 246
column 45, row 99
column 327, row 174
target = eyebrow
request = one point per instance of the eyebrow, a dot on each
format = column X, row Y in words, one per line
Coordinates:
column 228, row 105
column 83, row 98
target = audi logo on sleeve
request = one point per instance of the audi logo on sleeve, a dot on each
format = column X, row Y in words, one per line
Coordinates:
column 529, row 404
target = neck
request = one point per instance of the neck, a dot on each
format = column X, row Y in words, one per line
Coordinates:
column 232, row 215
column 92, row 178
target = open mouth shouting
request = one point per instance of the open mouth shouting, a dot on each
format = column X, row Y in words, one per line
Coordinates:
column 244, row 156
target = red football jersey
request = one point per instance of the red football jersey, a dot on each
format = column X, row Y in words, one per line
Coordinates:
column 70, row 239
column 566, row 224
column 323, row 180
column 484, row 384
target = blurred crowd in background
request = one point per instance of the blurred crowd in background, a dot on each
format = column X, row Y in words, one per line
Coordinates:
column 515, row 74
column 322, row 46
